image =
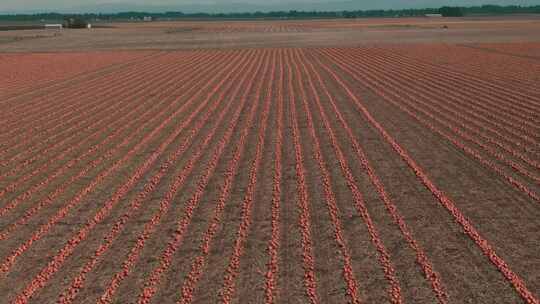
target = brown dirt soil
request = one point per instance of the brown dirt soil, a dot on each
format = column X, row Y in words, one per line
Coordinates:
column 131, row 177
column 255, row 34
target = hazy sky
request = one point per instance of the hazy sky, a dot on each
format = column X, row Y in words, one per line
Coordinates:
column 58, row 5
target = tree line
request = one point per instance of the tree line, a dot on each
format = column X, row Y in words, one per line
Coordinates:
column 293, row 14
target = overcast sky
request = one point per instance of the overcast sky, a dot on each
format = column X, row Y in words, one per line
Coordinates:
column 62, row 5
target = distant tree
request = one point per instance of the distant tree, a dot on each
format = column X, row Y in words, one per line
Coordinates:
column 448, row 11
column 75, row 22
column 347, row 14
column 293, row 14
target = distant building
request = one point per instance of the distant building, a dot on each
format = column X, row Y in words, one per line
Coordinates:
column 433, row 15
column 54, row 26
column 148, row 18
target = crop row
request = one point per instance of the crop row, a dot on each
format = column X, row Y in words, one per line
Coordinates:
column 506, row 72
column 144, row 120
column 49, row 69
column 229, row 285
column 103, row 127
column 150, row 226
column 481, row 98
column 40, row 103
column 149, row 187
column 111, row 122
column 271, row 275
column 374, row 82
column 39, row 281
column 171, row 115
column 443, row 199
column 43, row 129
column 330, row 198
column 151, row 283
column 207, row 240
column 466, row 124
column 421, row 256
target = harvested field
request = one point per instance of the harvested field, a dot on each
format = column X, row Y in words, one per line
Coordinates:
column 174, row 35
column 373, row 173
column 245, row 28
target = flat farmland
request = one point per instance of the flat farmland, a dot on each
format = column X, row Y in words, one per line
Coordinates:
column 44, row 69
column 375, row 173
column 174, row 35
